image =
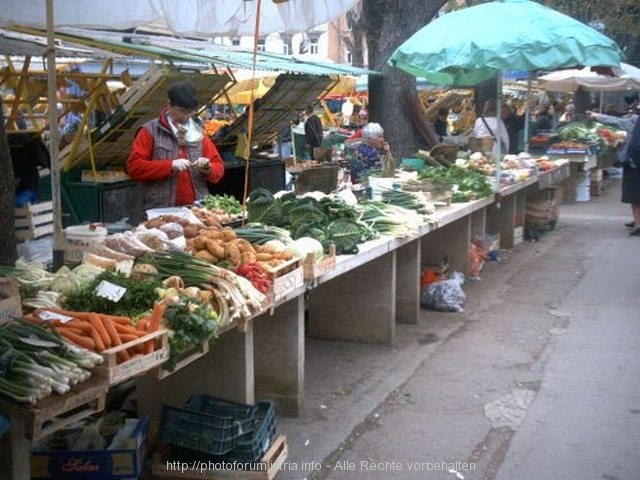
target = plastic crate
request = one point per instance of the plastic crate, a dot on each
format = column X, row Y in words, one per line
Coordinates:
column 206, row 424
column 250, row 447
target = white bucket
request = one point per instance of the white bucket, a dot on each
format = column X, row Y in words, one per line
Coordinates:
column 79, row 238
column 583, row 187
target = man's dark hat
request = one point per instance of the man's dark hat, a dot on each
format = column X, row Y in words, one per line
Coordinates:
column 183, row 94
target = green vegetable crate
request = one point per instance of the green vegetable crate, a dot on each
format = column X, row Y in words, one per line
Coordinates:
column 251, row 446
column 206, row 425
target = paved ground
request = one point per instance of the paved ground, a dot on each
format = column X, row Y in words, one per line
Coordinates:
column 537, row 379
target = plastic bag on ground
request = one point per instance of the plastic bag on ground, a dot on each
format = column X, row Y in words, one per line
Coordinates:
column 444, row 295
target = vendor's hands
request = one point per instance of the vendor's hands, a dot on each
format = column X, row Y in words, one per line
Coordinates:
column 203, row 165
column 180, row 165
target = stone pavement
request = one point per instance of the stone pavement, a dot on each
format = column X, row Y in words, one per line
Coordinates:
column 536, row 379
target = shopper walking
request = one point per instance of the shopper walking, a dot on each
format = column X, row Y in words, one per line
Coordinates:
column 629, row 157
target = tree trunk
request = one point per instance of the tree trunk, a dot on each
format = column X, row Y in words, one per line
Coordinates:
column 8, row 253
column 392, row 96
column 581, row 103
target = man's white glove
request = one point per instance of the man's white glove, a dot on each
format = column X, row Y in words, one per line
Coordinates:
column 180, row 165
column 203, row 165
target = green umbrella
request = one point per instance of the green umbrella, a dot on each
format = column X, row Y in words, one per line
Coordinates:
column 470, row 45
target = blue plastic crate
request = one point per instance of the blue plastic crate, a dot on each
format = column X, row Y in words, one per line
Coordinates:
column 250, row 447
column 206, row 424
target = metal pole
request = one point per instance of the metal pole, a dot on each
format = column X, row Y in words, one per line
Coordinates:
column 527, row 113
column 58, row 235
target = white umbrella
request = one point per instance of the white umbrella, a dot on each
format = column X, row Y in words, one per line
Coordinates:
column 627, row 78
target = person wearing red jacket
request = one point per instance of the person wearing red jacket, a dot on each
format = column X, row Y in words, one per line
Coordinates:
column 171, row 157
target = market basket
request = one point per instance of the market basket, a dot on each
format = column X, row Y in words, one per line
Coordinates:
column 206, row 424
column 447, row 150
column 481, row 144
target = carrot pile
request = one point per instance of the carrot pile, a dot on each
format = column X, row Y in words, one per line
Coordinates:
column 99, row 331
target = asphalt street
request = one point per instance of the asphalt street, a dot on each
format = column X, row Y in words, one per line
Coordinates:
column 536, row 380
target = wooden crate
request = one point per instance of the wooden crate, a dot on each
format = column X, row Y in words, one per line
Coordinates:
column 286, row 277
column 58, row 411
column 34, row 220
column 267, row 469
column 115, row 373
column 313, row 269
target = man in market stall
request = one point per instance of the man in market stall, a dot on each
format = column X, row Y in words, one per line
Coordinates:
column 172, row 158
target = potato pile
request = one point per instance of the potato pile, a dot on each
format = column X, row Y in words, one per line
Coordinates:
column 220, row 245
column 212, row 218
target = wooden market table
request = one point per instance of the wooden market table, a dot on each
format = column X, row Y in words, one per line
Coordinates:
column 361, row 299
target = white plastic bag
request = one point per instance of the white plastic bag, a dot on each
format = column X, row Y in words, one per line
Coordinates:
column 444, row 295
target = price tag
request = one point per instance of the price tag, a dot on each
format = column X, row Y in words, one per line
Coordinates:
column 48, row 316
column 110, row 291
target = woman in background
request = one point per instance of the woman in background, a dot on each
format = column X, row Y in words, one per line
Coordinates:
column 486, row 125
column 372, row 153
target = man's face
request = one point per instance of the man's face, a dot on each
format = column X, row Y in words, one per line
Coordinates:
column 180, row 115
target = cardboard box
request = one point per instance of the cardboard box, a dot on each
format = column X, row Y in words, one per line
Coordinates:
column 121, row 464
column 10, row 303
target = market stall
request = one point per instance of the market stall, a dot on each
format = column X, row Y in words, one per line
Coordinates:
column 360, row 294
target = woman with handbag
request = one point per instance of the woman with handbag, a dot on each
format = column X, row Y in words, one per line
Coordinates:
column 486, row 125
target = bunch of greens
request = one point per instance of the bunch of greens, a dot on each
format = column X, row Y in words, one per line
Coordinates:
column 227, row 203
column 471, row 183
column 137, row 300
column 328, row 220
column 192, row 324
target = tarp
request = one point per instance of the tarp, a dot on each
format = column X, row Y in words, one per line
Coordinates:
column 204, row 18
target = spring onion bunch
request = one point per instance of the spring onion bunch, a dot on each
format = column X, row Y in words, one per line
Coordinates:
column 31, row 276
column 391, row 220
column 258, row 233
column 35, row 362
